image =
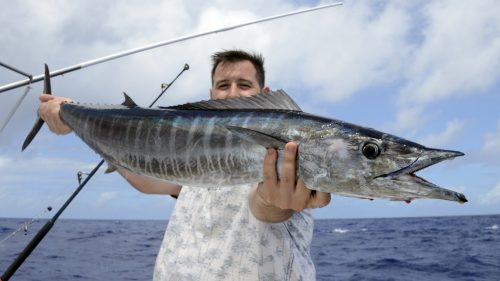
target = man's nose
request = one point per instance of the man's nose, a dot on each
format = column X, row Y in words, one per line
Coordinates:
column 234, row 92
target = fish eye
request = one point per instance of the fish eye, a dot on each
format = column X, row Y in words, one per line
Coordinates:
column 370, row 150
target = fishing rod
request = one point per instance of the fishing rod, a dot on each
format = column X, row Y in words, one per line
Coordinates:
column 48, row 225
column 81, row 65
column 33, row 79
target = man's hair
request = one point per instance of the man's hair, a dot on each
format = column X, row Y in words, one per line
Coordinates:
column 233, row 56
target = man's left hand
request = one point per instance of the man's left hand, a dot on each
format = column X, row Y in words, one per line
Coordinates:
column 277, row 198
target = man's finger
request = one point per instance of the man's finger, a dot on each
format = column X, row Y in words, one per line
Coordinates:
column 302, row 196
column 287, row 173
column 45, row 97
column 269, row 172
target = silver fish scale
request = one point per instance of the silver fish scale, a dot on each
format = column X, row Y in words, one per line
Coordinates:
column 176, row 146
column 198, row 145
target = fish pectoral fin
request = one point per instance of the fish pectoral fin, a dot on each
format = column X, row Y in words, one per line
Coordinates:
column 129, row 102
column 266, row 140
column 111, row 168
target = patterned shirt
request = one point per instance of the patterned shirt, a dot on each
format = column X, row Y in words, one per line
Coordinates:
column 212, row 235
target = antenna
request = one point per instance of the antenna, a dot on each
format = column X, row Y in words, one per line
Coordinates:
column 81, row 65
column 20, row 100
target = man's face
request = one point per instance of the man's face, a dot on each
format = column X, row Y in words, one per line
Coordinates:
column 233, row 80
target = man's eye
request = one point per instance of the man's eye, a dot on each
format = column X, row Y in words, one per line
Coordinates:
column 245, row 86
column 222, row 86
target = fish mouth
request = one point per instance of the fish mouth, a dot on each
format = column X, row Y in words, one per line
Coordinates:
column 426, row 159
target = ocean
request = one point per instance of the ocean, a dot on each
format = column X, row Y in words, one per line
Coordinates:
column 428, row 248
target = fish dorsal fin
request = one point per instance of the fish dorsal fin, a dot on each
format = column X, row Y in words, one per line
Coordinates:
column 128, row 101
column 272, row 100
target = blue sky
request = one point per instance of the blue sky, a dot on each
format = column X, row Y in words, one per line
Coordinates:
column 428, row 71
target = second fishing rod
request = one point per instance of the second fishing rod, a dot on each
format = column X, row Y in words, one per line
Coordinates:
column 39, row 236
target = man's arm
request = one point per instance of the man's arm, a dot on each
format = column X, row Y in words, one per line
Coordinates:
column 276, row 199
column 149, row 185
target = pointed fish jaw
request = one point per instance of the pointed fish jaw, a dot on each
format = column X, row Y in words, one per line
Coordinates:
column 406, row 176
column 427, row 158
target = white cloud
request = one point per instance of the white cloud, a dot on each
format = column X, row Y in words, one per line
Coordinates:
column 335, row 52
column 423, row 51
column 453, row 128
column 105, row 197
column 491, row 146
column 5, row 162
column 492, row 196
column 460, row 52
column 24, row 170
column 339, row 52
column 407, row 118
column 41, row 164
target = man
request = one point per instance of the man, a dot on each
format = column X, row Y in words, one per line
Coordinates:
column 260, row 231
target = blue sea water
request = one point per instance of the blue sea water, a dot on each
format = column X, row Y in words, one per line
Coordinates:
column 430, row 248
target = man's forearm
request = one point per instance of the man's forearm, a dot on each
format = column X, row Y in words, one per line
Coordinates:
column 149, row 185
column 263, row 211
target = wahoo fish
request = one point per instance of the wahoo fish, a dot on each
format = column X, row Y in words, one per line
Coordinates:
column 223, row 143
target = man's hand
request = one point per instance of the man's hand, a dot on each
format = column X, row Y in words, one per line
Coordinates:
column 276, row 199
column 49, row 112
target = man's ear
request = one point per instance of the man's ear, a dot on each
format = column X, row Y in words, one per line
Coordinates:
column 266, row 89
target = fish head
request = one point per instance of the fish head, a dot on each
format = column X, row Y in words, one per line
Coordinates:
column 365, row 163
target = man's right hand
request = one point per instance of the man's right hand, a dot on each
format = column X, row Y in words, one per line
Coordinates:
column 49, row 112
